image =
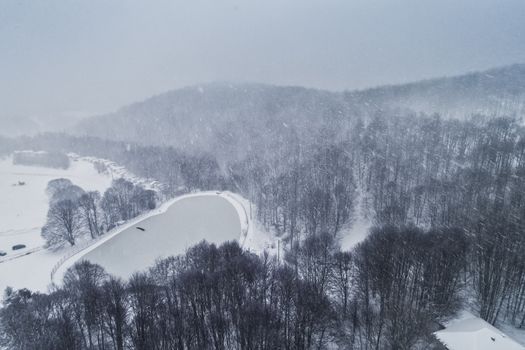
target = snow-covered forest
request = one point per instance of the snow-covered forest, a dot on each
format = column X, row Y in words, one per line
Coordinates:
column 444, row 197
column 262, row 175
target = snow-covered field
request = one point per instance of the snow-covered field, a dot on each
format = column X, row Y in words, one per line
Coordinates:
column 23, row 210
column 116, row 171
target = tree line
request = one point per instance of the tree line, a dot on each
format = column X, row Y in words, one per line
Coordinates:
column 178, row 171
column 408, row 169
column 46, row 159
column 405, row 169
column 73, row 212
column 389, row 293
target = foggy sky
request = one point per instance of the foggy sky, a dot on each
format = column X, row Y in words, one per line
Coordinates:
column 93, row 56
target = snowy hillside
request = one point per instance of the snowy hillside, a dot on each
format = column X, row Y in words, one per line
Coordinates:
column 495, row 93
column 228, row 118
column 220, row 118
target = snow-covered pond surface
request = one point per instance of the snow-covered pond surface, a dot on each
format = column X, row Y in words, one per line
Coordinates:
column 185, row 223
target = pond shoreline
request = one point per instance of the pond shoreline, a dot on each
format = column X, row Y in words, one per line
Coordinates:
column 68, row 261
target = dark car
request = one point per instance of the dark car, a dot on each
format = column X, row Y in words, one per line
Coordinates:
column 19, row 246
column 2, row 253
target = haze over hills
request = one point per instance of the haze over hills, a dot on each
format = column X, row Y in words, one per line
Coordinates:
column 495, row 92
column 266, row 175
column 368, row 177
column 203, row 117
column 14, row 126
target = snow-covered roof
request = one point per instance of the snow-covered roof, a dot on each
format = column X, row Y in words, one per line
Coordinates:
column 471, row 332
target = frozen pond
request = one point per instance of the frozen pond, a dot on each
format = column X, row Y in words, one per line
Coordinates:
column 185, row 223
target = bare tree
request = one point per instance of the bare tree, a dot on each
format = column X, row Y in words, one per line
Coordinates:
column 88, row 206
column 63, row 223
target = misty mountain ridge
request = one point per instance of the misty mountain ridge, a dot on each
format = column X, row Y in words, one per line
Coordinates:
column 15, row 126
column 207, row 116
column 495, row 92
column 217, row 115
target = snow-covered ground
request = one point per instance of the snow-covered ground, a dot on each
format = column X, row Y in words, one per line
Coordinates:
column 359, row 228
column 356, row 234
column 471, row 307
column 467, row 331
column 30, row 271
column 23, row 210
column 115, row 171
column 255, row 238
column 513, row 332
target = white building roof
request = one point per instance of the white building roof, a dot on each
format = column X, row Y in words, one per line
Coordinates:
column 470, row 332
